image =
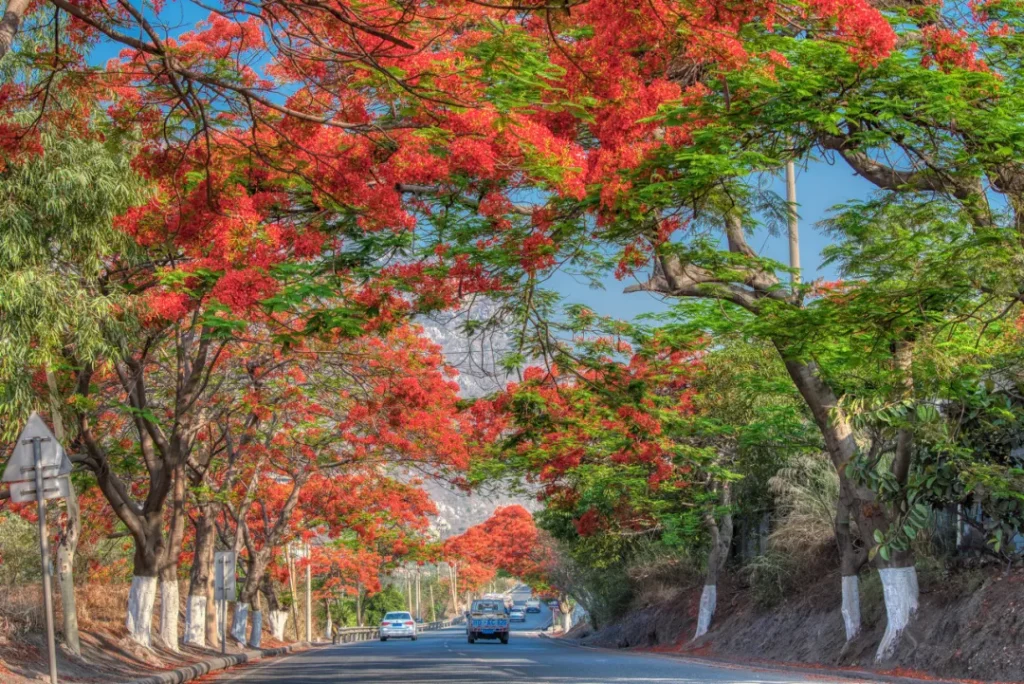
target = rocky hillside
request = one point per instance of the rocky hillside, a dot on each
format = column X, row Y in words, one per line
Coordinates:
column 476, row 359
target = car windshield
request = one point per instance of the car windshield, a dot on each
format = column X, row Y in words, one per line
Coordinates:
column 398, row 616
column 486, row 607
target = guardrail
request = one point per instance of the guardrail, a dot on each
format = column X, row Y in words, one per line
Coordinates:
column 348, row 635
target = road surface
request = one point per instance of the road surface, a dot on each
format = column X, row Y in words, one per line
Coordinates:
column 445, row 656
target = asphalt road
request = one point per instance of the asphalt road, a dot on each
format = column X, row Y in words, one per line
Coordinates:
column 528, row 658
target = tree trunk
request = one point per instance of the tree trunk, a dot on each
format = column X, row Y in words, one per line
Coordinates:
column 256, row 632
column 199, row 630
column 70, row 531
column 721, row 539
column 141, row 598
column 565, row 610
column 278, row 622
column 851, row 560
column 900, row 589
column 240, row 622
column 67, row 546
column 295, row 596
column 149, row 550
column 170, row 605
column 898, row 574
column 256, row 568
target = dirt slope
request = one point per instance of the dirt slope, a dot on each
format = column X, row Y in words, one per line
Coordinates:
column 970, row 625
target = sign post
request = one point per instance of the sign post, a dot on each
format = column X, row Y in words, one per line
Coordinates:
column 224, row 586
column 38, row 470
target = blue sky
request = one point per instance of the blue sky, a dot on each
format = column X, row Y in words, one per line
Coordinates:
column 819, row 186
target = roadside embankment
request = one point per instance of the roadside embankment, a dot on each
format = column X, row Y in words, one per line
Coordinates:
column 970, row 625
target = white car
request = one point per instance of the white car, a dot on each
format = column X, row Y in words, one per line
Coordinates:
column 517, row 615
column 397, row 626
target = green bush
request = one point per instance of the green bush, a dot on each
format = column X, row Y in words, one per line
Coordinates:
column 391, row 598
column 770, row 577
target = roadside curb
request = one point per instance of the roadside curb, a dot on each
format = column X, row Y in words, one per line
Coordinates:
column 190, row 672
column 809, row 670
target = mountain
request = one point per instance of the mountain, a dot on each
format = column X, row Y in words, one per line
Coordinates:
column 476, row 359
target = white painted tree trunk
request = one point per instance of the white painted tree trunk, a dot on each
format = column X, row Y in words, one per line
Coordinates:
column 169, row 607
column 195, row 621
column 330, row 623
column 256, row 633
column 278, row 620
column 899, row 586
column 566, row 621
column 141, row 598
column 241, row 621
column 708, row 599
column 851, row 606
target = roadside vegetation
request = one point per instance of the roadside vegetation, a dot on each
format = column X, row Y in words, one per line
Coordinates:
column 218, row 243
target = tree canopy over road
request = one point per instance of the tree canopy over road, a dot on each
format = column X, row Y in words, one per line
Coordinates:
column 223, row 224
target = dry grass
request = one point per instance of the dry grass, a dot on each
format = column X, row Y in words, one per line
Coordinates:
column 806, row 493
column 20, row 611
column 102, row 606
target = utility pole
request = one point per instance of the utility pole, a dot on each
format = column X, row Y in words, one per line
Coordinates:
column 794, row 227
column 419, row 607
column 433, row 606
column 295, row 595
column 309, row 597
column 359, row 603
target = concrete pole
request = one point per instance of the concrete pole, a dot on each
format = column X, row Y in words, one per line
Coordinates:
column 309, row 597
column 433, row 606
column 419, row 605
column 794, row 226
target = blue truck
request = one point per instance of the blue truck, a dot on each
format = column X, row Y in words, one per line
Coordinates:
column 487, row 619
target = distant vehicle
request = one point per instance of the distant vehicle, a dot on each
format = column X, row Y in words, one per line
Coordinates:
column 533, row 606
column 487, row 620
column 397, row 625
column 517, row 615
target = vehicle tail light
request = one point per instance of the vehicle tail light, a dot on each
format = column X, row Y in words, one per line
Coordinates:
column 383, row 623
column 409, row 624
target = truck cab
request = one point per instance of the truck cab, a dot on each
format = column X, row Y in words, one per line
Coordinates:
column 487, row 619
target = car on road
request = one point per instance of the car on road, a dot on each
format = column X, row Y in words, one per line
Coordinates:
column 487, row 620
column 397, row 625
column 533, row 606
column 517, row 615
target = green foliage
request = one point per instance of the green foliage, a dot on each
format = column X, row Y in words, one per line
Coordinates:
column 19, row 550
column 771, row 577
column 390, row 598
column 57, row 239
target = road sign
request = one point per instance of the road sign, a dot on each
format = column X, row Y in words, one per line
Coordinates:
column 224, row 576
column 37, row 470
column 223, row 589
column 53, row 488
column 22, row 463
